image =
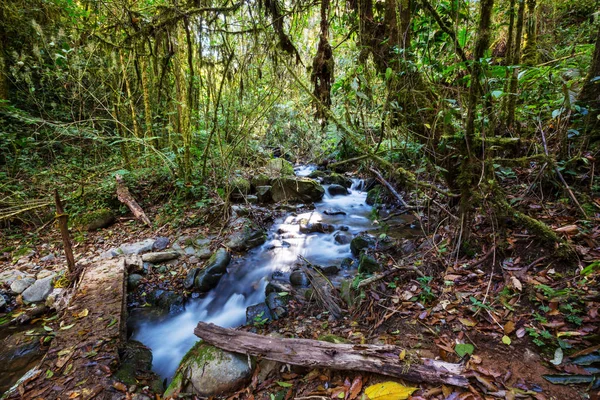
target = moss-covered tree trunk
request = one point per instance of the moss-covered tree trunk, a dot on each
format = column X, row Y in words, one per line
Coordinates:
column 590, row 92
column 513, row 84
column 530, row 52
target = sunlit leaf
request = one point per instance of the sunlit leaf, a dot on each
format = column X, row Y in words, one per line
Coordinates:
column 389, row 391
column 463, row 349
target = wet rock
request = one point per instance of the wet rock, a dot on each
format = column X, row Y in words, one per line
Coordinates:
column 294, row 190
column 368, row 264
column 188, row 283
column 251, row 199
column 207, row 371
column 8, row 277
column 374, row 196
column 258, row 314
column 344, row 228
column 209, row 277
column 137, row 248
column 133, row 281
column 160, row 256
column 246, row 235
column 19, row 285
column 330, row 270
column 19, row 354
column 316, row 227
column 275, row 286
column 39, row 291
column 160, row 243
column 2, row 302
column 334, row 212
column 49, row 258
column 277, row 304
column 264, row 193
column 347, row 263
column 342, row 238
column 361, row 243
column 337, row 190
column 299, row 278
column 166, row 300
column 136, row 367
column 331, row 178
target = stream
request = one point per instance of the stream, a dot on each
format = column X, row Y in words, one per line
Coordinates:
column 247, row 276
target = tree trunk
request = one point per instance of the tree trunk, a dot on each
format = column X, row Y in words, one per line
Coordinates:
column 515, row 60
column 590, row 93
column 379, row 359
column 530, row 52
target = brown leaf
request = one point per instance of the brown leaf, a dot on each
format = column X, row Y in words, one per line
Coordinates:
column 509, row 327
column 355, row 388
column 120, row 387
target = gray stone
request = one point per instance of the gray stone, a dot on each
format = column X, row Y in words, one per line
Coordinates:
column 330, row 269
column 258, row 314
column 368, row 264
column 279, row 167
column 361, row 243
column 167, row 300
column 188, row 283
column 337, row 190
column 8, row 277
column 332, row 211
column 252, row 199
column 216, row 267
column 246, row 235
column 19, row 285
column 137, row 248
column 44, row 274
column 49, row 258
column 160, row 243
column 2, row 302
column 299, row 278
column 203, row 253
column 110, row 253
column 133, row 281
column 39, row 291
column 160, row 256
column 275, row 286
column 207, row 371
column 189, row 251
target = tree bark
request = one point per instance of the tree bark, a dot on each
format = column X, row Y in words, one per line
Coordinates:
column 513, row 85
column 63, row 224
column 379, row 359
column 590, row 93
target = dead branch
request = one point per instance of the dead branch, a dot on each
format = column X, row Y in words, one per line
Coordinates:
column 126, row 198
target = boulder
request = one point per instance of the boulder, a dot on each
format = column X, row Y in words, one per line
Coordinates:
column 278, row 167
column 258, row 314
column 361, row 243
column 208, row 371
column 158, row 257
column 368, row 264
column 216, row 267
column 239, row 186
column 337, row 190
column 137, row 248
column 329, row 270
column 19, row 285
column 275, row 286
column 167, row 300
column 331, row 178
column 95, row 220
column 296, row 190
column 246, row 235
column 39, row 291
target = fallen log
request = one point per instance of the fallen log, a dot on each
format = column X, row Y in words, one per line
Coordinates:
column 380, row 359
column 126, row 198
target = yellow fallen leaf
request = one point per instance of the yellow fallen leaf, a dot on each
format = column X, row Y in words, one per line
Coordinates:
column 389, row 391
column 83, row 313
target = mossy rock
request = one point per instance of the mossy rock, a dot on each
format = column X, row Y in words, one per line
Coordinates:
column 368, row 264
column 260, row 180
column 136, row 367
column 374, row 196
column 279, row 167
column 94, row 220
column 239, row 185
column 208, row 371
column 294, row 190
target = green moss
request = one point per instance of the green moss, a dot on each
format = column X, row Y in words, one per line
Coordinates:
column 240, row 185
column 333, row 339
column 94, row 219
column 279, row 166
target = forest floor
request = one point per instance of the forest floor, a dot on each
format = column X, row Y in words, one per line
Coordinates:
column 510, row 313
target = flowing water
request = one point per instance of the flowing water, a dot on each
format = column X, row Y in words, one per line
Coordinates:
column 246, row 278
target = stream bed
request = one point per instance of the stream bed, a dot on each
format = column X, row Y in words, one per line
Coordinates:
column 171, row 337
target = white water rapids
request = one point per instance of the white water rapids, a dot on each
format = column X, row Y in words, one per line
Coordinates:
column 244, row 284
